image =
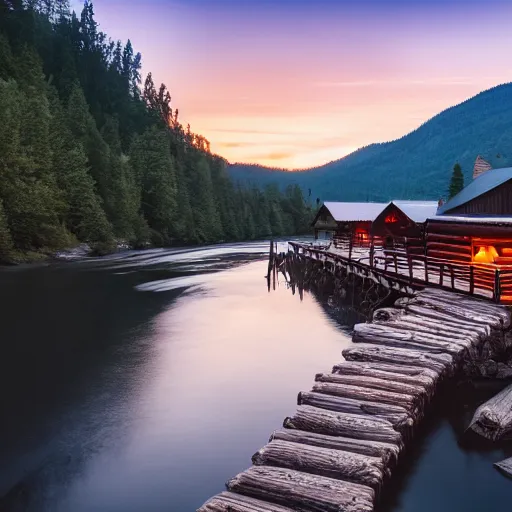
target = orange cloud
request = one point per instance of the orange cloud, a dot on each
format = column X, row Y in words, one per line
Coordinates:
column 275, row 156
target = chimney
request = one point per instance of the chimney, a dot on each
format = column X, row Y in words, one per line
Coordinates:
column 480, row 167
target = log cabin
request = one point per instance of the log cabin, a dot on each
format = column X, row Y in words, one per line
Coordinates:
column 402, row 224
column 474, row 229
column 346, row 220
column 475, row 226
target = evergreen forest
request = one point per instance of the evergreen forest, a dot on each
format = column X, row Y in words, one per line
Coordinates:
column 91, row 151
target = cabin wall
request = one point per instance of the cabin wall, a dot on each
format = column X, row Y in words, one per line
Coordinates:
column 460, row 242
column 495, row 202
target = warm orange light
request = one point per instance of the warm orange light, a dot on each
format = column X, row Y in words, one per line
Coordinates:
column 506, row 251
column 361, row 234
column 485, row 254
column 391, row 219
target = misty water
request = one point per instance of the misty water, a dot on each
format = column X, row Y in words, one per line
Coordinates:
column 143, row 381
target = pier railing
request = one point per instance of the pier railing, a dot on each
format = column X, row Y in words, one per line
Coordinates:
column 416, row 270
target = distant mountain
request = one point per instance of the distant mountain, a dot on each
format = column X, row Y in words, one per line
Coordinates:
column 417, row 166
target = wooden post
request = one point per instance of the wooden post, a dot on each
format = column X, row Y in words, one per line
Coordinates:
column 350, row 243
column 274, row 269
column 409, row 261
column 471, row 279
column 270, row 262
column 452, row 275
column 441, row 274
column 396, row 262
column 497, row 291
column 426, row 269
column 372, row 250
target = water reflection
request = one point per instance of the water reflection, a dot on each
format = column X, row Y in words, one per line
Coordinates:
column 161, row 397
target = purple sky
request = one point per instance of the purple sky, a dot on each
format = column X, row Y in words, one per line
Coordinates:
column 298, row 83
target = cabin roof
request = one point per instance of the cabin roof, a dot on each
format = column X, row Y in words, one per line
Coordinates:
column 417, row 211
column 472, row 219
column 354, row 212
column 480, row 185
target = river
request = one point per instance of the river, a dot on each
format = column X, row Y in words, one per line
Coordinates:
column 144, row 380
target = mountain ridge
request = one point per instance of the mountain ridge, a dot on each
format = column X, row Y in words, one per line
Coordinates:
column 415, row 166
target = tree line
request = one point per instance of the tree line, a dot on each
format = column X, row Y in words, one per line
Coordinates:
column 89, row 152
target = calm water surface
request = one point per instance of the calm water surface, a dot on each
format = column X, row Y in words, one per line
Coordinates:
column 142, row 382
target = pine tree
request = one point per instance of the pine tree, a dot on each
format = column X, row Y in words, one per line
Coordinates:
column 456, row 182
column 155, row 172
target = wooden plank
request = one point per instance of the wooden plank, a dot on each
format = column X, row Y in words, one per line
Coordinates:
column 493, row 419
column 231, row 502
column 301, row 491
column 366, row 381
column 406, row 323
column 386, row 451
column 313, row 419
column 412, row 404
column 381, row 368
column 440, row 363
column 338, row 464
column 372, row 333
column 480, row 305
column 397, row 415
column 467, row 314
column 505, row 466
column 441, row 316
column 417, row 378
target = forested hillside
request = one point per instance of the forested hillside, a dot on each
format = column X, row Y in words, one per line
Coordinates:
column 89, row 154
column 417, row 166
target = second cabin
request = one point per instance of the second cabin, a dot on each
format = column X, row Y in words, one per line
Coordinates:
column 402, row 224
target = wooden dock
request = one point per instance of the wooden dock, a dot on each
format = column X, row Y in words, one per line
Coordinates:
column 342, row 444
column 406, row 271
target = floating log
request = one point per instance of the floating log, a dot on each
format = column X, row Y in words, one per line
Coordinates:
column 342, row 465
column 301, row 491
column 313, row 419
column 231, row 502
column 398, row 416
column 440, row 363
column 381, row 369
column 386, row 451
column 374, row 383
column 385, row 335
column 493, row 419
column 505, row 466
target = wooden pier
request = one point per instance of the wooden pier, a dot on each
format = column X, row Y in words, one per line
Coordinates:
column 342, row 444
column 405, row 271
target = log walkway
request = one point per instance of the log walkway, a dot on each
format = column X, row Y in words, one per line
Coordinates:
column 340, row 447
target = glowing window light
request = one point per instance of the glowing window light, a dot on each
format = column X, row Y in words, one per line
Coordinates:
column 485, row 254
column 361, row 234
column 391, row 219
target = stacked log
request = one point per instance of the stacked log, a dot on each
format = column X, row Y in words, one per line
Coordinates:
column 342, row 443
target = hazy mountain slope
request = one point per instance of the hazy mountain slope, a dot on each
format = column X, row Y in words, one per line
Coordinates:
column 416, row 166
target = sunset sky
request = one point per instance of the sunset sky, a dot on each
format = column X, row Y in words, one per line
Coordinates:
column 297, row 83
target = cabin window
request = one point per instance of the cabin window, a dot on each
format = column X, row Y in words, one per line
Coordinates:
column 391, row 218
column 485, row 254
column 361, row 235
